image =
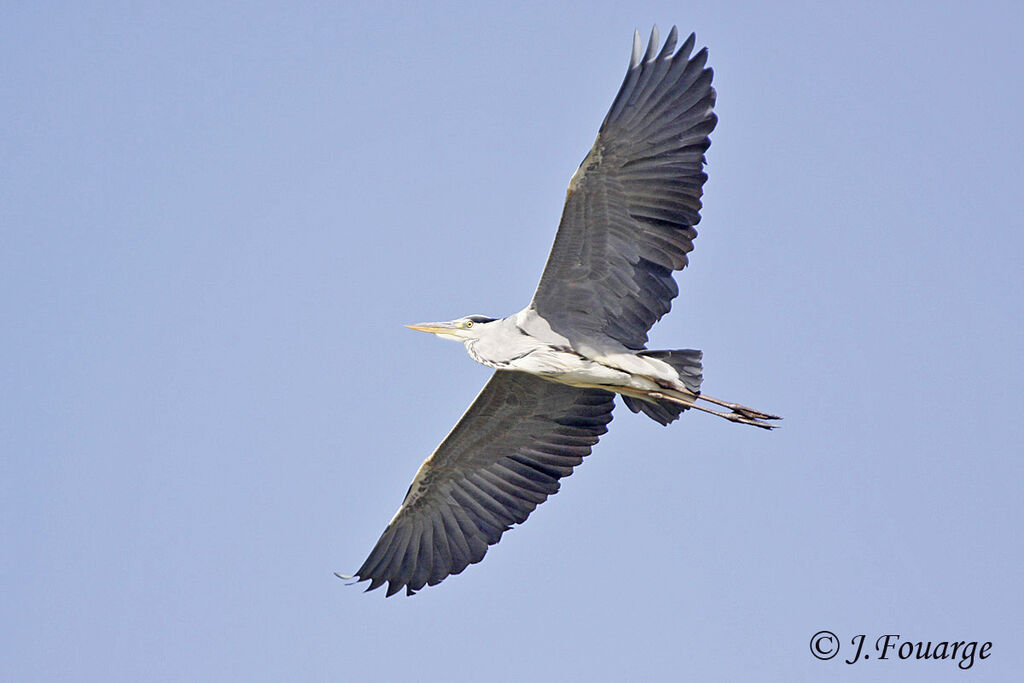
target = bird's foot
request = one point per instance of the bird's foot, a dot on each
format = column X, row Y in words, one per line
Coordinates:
column 740, row 409
column 745, row 416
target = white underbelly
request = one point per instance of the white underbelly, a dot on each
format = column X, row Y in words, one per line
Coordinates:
column 573, row 369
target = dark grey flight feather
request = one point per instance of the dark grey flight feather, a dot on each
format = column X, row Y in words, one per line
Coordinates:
column 629, row 217
column 503, row 458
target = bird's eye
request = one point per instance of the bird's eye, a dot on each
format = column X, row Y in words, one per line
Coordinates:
column 469, row 324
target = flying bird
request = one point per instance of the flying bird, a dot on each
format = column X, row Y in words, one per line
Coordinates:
column 627, row 224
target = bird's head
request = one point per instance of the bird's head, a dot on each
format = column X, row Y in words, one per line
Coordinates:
column 460, row 329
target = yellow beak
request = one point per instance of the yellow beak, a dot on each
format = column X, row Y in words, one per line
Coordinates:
column 432, row 328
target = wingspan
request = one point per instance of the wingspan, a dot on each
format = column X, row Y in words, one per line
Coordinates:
column 503, row 458
column 632, row 204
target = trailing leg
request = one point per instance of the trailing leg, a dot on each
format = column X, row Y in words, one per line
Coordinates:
column 734, row 416
column 742, row 410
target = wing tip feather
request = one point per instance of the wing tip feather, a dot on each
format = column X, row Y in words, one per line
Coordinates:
column 652, row 44
column 634, row 58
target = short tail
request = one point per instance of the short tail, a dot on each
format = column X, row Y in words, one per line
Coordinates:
column 687, row 363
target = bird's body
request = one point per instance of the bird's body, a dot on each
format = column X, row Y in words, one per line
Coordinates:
column 627, row 225
column 524, row 342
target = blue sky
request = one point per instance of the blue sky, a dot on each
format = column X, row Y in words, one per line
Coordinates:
column 215, row 218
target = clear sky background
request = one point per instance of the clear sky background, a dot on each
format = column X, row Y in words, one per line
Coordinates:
column 215, row 218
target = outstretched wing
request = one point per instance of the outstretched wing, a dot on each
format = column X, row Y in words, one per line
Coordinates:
column 632, row 204
column 504, row 457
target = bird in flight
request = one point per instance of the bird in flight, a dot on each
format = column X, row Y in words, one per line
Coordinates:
column 628, row 223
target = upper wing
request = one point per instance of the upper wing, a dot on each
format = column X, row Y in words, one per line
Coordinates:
column 632, row 204
column 504, row 457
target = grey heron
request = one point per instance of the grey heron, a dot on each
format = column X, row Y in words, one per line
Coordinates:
column 628, row 223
